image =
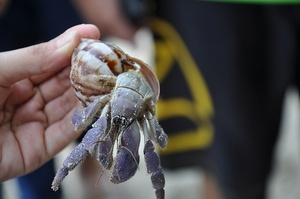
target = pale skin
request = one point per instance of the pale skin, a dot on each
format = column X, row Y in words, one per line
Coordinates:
column 36, row 102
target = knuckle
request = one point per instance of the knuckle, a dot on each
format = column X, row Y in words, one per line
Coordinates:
column 40, row 54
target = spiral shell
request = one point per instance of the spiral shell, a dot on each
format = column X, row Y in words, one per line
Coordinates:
column 96, row 65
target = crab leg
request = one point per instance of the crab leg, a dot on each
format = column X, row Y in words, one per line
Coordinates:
column 105, row 148
column 127, row 158
column 86, row 147
column 75, row 157
column 151, row 157
column 154, row 168
column 155, row 132
column 83, row 117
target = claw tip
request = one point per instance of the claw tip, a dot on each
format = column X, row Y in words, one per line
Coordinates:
column 54, row 187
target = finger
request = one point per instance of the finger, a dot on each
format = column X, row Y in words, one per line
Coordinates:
column 58, row 107
column 42, row 58
column 37, row 79
column 85, row 31
column 4, row 93
column 60, row 134
column 21, row 92
column 55, row 85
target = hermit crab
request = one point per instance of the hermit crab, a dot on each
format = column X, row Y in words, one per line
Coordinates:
column 118, row 94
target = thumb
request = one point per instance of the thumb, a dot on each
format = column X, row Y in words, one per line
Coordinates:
column 42, row 58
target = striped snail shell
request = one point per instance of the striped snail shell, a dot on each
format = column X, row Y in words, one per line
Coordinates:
column 96, row 66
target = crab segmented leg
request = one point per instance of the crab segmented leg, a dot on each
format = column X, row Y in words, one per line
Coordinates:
column 154, row 168
column 105, row 152
column 86, row 147
column 76, row 156
column 83, row 117
column 153, row 131
column 127, row 158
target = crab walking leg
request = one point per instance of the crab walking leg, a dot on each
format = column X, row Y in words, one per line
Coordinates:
column 127, row 158
column 155, row 132
column 151, row 157
column 154, row 168
column 105, row 144
column 83, row 117
column 75, row 157
column 86, row 147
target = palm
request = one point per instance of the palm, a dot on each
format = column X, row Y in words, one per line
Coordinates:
column 36, row 109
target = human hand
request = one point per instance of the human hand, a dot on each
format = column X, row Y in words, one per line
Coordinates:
column 36, row 102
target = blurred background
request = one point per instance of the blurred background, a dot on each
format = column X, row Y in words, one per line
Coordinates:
column 218, row 65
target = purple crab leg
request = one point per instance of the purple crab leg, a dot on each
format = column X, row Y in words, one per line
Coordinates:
column 86, row 147
column 157, row 133
column 105, row 148
column 154, row 168
column 153, row 131
column 105, row 143
column 76, row 156
column 83, row 117
column 127, row 158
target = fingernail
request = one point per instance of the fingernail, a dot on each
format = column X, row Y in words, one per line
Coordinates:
column 66, row 39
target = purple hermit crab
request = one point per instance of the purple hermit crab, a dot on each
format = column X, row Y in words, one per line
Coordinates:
column 118, row 94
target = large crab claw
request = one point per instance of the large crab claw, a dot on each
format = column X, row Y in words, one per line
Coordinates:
column 127, row 158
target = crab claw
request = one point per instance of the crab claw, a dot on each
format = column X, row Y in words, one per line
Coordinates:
column 105, row 152
column 105, row 143
column 127, row 158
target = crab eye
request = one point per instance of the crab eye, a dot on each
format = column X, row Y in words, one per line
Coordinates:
column 116, row 120
column 120, row 121
column 123, row 121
